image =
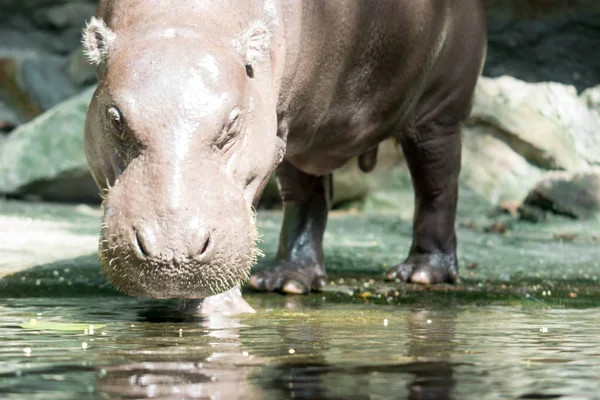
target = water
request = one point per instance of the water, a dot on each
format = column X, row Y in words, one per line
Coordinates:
column 306, row 347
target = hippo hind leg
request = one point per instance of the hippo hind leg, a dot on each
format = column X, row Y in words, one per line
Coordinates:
column 299, row 266
column 433, row 153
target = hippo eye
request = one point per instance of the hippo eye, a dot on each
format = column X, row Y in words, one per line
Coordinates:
column 230, row 130
column 115, row 119
column 234, row 120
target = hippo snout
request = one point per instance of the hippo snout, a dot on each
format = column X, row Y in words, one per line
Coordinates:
column 200, row 245
column 149, row 242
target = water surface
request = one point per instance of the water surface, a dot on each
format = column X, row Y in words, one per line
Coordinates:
column 306, row 347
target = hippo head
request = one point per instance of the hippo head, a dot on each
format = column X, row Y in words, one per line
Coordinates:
column 181, row 137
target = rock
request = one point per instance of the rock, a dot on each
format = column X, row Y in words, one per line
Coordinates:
column 79, row 69
column 34, row 82
column 45, row 157
column 62, row 16
column 492, row 169
column 16, row 100
column 350, row 183
column 44, row 77
column 8, row 118
column 531, row 213
column 510, row 207
column 52, row 26
column 518, row 131
column 575, row 194
column 37, row 40
column 591, row 97
column 547, row 123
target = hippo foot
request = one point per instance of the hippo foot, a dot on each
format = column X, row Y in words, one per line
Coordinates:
column 289, row 277
column 426, row 269
column 227, row 303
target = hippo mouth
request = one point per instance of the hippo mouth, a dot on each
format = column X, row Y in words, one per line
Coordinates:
column 164, row 276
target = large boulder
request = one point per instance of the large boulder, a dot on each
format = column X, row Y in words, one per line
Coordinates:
column 547, row 123
column 9, row 118
column 39, row 79
column 45, row 157
column 591, row 97
column 573, row 194
column 518, row 131
column 492, row 169
column 40, row 64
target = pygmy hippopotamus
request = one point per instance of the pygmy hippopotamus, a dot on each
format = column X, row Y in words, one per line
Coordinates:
column 200, row 101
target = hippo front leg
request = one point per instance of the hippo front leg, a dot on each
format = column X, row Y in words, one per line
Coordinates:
column 433, row 154
column 299, row 266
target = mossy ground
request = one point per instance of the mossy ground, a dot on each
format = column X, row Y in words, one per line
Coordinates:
column 48, row 250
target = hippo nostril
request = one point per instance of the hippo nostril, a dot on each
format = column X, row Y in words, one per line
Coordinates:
column 205, row 247
column 201, row 245
column 141, row 245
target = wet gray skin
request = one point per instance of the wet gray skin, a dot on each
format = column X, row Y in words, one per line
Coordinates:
column 305, row 348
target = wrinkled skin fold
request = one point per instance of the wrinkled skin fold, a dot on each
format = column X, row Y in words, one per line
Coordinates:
column 201, row 101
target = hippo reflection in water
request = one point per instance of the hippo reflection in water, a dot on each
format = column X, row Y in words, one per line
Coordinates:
column 200, row 101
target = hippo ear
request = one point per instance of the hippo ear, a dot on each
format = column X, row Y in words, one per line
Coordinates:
column 254, row 45
column 97, row 40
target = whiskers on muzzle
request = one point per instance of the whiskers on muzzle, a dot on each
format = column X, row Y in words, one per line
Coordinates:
column 161, row 277
column 255, row 238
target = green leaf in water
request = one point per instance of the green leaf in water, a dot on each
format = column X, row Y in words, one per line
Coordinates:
column 34, row 324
